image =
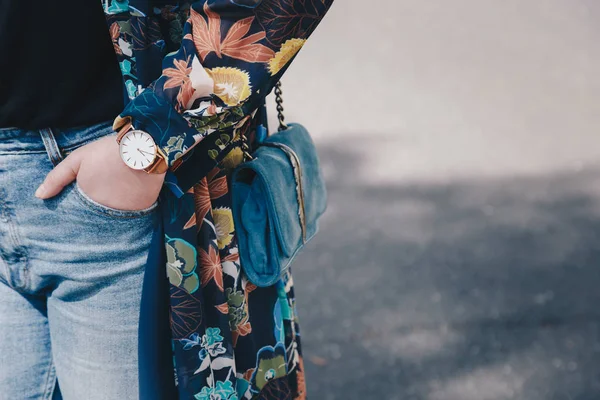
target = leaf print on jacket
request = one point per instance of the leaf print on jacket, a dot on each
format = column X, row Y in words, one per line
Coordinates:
column 277, row 389
column 288, row 50
column 211, row 267
column 212, row 342
column 271, row 365
column 196, row 75
column 181, row 264
column 286, row 19
column 239, row 324
column 114, row 35
column 190, row 79
column 231, row 84
column 207, row 38
column 223, row 226
column 222, row 391
column 186, row 313
column 202, row 204
column 179, row 77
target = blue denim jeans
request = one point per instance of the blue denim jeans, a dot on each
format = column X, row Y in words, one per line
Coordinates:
column 71, row 273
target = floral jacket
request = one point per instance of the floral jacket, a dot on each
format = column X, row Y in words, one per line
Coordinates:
column 196, row 74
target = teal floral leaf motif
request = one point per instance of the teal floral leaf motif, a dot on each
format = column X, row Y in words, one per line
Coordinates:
column 207, row 393
column 193, row 341
column 225, row 390
column 278, row 332
column 117, row 6
column 131, row 89
column 222, row 391
column 126, row 68
column 242, row 387
column 211, row 337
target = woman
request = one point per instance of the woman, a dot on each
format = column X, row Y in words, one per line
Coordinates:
column 111, row 213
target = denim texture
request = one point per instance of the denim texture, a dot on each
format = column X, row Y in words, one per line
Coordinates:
column 71, row 274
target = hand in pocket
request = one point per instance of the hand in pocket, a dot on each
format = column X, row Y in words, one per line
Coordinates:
column 104, row 177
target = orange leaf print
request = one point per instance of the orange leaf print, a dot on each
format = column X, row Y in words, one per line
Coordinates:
column 231, row 257
column 114, row 34
column 211, row 269
column 186, row 92
column 250, row 287
column 191, row 222
column 248, row 374
column 300, row 380
column 218, row 187
column 202, row 203
column 207, row 38
column 186, row 313
column 223, row 308
column 178, row 75
column 244, row 329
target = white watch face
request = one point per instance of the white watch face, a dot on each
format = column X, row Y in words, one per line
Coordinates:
column 137, row 149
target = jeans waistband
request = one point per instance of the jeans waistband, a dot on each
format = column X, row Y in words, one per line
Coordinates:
column 15, row 140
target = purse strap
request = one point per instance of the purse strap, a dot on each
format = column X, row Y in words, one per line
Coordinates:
column 280, row 117
column 279, row 101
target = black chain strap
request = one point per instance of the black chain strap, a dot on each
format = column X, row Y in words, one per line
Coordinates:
column 279, row 101
column 246, row 147
column 282, row 126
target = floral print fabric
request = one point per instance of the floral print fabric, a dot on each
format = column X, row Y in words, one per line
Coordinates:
column 196, row 75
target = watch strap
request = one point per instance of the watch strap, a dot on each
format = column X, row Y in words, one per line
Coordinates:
column 123, row 130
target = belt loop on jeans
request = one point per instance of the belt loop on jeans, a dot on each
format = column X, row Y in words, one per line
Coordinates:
column 51, row 146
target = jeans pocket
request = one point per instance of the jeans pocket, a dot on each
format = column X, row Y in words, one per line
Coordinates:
column 93, row 205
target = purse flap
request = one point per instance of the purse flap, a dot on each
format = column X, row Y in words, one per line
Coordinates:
column 283, row 183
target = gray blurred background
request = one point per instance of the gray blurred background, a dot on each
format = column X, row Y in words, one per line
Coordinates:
column 460, row 257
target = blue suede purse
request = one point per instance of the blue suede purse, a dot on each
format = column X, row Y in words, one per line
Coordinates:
column 278, row 197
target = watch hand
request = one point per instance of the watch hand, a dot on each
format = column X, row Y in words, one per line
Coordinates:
column 145, row 152
column 142, row 153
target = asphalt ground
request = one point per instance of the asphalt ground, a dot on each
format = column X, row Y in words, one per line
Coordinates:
column 460, row 257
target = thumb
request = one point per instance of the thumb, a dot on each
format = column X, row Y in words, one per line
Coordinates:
column 63, row 174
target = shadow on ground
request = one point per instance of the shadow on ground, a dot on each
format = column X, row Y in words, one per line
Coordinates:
column 468, row 290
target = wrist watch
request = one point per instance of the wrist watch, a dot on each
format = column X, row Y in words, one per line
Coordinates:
column 139, row 151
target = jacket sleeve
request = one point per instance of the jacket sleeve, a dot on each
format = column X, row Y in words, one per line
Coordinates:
column 228, row 55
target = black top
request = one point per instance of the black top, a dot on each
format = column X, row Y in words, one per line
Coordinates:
column 58, row 68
